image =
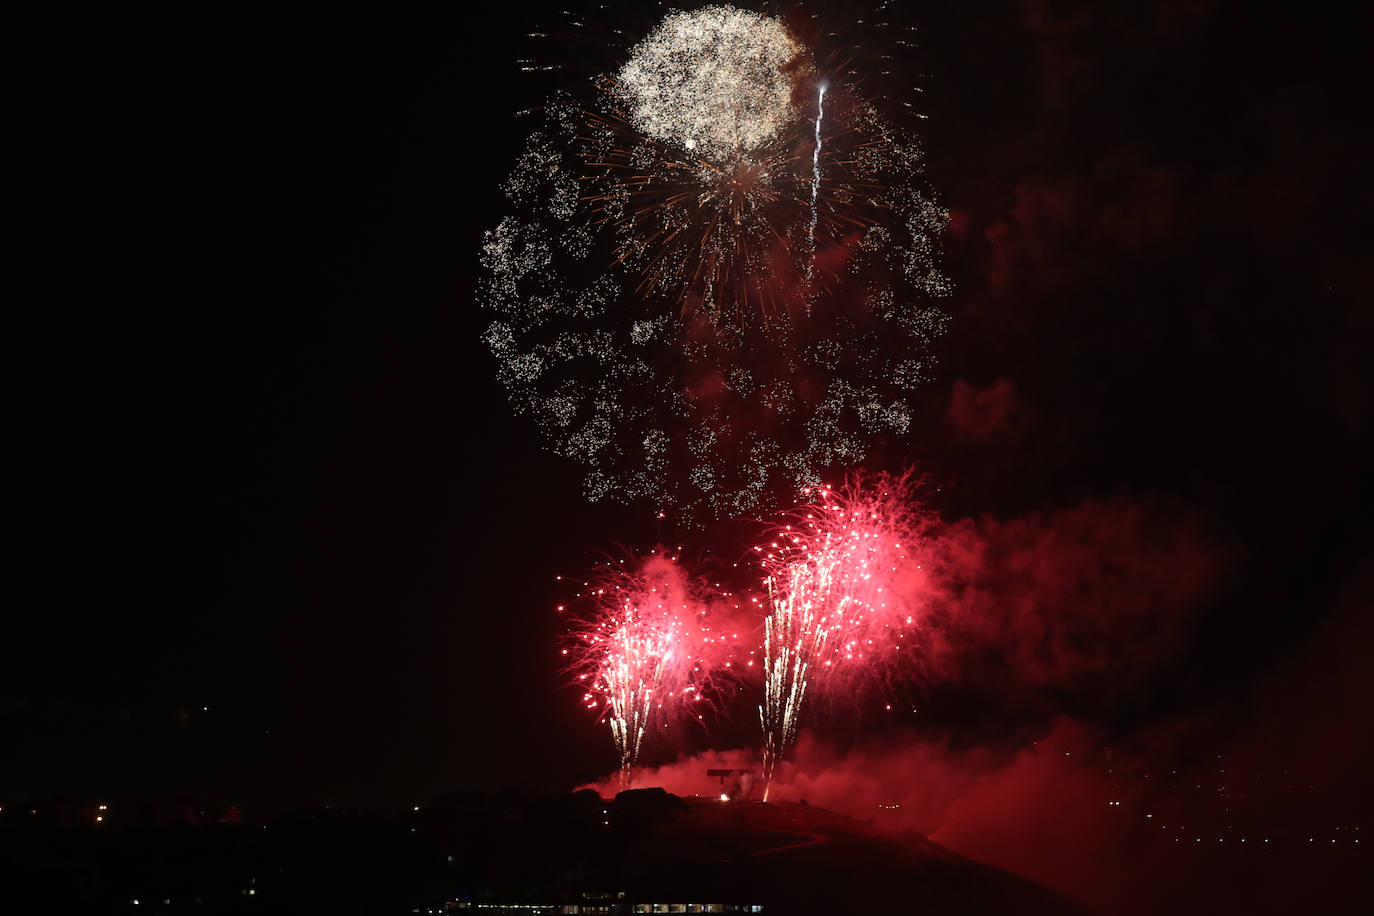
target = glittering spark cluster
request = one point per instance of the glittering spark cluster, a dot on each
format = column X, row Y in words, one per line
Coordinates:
column 717, row 281
column 846, row 587
column 649, row 652
column 714, row 81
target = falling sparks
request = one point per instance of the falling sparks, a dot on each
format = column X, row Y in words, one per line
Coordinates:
column 844, row 582
column 647, row 653
column 712, row 313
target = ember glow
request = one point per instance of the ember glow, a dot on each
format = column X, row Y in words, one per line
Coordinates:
column 845, row 588
column 648, row 653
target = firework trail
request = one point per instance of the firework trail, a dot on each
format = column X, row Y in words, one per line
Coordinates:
column 845, row 582
column 815, row 184
column 649, row 652
column 796, row 635
column 680, row 302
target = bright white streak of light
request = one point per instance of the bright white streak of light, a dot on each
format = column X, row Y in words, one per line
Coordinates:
column 815, row 182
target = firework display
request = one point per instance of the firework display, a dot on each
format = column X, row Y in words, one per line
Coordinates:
column 846, row 588
column 715, row 286
column 649, row 652
column 717, row 281
column 714, row 81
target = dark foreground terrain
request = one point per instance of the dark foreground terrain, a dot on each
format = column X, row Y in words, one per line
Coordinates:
column 645, row 851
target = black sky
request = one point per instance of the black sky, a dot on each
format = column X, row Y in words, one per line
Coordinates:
column 258, row 462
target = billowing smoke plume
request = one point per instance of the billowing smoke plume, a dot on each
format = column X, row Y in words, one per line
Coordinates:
column 1094, row 595
column 1128, row 821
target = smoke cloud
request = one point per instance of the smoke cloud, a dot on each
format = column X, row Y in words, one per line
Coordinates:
column 984, row 413
column 1096, row 594
column 1094, row 814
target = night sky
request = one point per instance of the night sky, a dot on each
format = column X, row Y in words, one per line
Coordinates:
column 273, row 534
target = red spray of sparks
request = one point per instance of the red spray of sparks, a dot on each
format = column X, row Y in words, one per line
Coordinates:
column 648, row 653
column 842, row 604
